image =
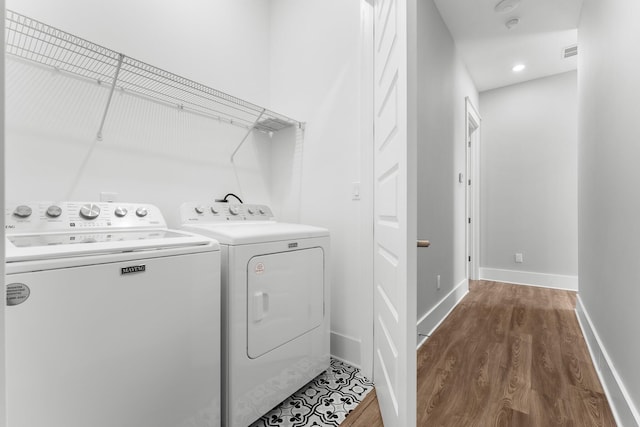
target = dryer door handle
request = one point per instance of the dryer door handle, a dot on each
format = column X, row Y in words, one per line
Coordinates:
column 260, row 306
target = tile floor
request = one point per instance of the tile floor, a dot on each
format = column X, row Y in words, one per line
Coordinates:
column 323, row 402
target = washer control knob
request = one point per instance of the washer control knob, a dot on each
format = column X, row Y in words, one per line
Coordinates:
column 120, row 212
column 22, row 211
column 251, row 211
column 234, row 210
column 54, row 211
column 214, row 210
column 142, row 212
column 90, row 211
column 261, row 211
column 199, row 209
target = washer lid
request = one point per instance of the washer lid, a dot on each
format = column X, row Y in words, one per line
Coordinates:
column 243, row 233
column 33, row 246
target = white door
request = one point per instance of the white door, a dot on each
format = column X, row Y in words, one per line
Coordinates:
column 394, row 219
column 285, row 298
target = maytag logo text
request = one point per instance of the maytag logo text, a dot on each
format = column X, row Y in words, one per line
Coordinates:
column 133, row 269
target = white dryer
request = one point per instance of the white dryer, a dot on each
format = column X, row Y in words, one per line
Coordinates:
column 111, row 318
column 275, row 302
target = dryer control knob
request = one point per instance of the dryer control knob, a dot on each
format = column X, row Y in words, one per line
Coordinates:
column 120, row 212
column 214, row 210
column 90, row 211
column 22, row 211
column 54, row 211
column 142, row 212
column 261, row 211
column 234, row 210
column 199, row 209
column 251, row 211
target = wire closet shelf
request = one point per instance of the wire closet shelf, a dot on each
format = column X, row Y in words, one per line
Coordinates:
column 35, row 41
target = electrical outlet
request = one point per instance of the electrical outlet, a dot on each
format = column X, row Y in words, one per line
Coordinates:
column 438, row 282
column 519, row 258
column 108, row 196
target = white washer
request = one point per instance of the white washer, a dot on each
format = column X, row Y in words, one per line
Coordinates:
column 275, row 302
column 111, row 318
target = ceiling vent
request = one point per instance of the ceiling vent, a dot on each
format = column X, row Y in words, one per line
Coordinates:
column 570, row 51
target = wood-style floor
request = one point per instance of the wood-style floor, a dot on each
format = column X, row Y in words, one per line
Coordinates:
column 507, row 355
column 366, row 414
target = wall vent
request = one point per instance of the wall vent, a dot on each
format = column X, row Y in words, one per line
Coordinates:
column 570, row 51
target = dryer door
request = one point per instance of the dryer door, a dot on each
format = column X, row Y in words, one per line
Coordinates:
column 285, row 298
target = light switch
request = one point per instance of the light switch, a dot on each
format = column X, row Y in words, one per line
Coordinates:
column 355, row 191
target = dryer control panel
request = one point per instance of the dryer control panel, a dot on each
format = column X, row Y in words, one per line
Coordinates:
column 201, row 212
column 36, row 217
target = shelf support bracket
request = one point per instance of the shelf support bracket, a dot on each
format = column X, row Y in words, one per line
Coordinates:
column 251, row 128
column 233, row 155
column 113, row 88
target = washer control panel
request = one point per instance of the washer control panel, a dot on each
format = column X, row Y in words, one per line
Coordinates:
column 77, row 216
column 194, row 212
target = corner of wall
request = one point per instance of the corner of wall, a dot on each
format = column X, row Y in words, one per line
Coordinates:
column 2, row 293
column 346, row 349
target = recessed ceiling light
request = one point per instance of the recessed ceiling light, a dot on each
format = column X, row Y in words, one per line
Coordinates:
column 517, row 68
column 506, row 6
column 512, row 23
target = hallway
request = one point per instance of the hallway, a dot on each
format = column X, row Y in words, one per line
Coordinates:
column 507, row 355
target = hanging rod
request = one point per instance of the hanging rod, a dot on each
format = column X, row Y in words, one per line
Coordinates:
column 38, row 42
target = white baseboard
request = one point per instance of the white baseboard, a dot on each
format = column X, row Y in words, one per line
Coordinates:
column 346, row 349
column 543, row 280
column 625, row 413
column 434, row 317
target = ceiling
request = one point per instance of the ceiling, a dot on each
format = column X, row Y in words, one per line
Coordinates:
column 490, row 50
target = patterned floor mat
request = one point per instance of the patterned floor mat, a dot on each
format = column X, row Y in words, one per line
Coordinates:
column 325, row 401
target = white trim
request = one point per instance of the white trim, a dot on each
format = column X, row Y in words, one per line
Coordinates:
column 472, row 193
column 346, row 349
column 421, row 340
column 366, row 185
column 625, row 413
column 543, row 280
column 3, row 421
column 434, row 317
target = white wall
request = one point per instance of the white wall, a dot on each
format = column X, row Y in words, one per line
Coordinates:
column 316, row 77
column 220, row 43
column 529, row 181
column 608, row 85
column 150, row 152
column 443, row 84
column 301, row 58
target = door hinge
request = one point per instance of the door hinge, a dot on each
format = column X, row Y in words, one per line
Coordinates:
column 469, row 220
column 469, row 258
column 469, row 182
column 469, row 143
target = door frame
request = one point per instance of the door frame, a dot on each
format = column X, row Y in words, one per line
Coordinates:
column 473, row 120
column 367, row 184
column 2, row 254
